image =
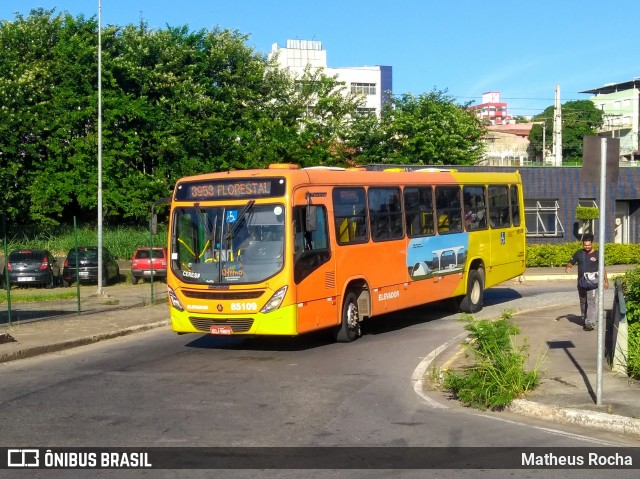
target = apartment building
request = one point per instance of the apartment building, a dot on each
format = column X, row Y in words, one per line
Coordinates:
column 374, row 83
column 620, row 104
column 492, row 110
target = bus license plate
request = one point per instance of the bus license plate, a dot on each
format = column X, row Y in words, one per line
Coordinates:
column 221, row 330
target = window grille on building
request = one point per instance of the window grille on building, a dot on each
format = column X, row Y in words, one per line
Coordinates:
column 365, row 111
column 366, row 88
column 541, row 217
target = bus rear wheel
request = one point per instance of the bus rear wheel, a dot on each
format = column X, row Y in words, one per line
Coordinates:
column 472, row 301
column 349, row 328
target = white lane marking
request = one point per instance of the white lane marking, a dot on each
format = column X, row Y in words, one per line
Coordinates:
column 418, row 373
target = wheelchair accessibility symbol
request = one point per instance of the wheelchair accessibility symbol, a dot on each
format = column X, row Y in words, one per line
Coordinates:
column 232, row 216
column 503, row 239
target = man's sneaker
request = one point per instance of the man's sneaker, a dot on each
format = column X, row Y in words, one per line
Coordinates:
column 588, row 327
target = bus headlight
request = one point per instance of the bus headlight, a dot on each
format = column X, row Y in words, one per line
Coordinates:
column 175, row 302
column 274, row 302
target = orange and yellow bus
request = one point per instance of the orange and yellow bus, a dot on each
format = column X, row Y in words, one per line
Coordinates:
column 288, row 250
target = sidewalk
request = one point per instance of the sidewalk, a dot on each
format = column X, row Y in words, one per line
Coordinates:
column 567, row 393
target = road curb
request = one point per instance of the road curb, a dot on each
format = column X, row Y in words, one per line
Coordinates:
column 72, row 343
column 579, row 417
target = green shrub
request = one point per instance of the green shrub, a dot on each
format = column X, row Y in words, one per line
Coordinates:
column 630, row 282
column 554, row 255
column 497, row 376
column 586, row 213
column 633, row 351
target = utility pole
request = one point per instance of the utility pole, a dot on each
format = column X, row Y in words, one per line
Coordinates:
column 557, row 129
column 100, row 291
column 601, row 270
column 544, row 137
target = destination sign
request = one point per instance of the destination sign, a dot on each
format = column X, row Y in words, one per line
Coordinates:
column 229, row 189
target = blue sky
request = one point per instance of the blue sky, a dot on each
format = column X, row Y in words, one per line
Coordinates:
column 521, row 49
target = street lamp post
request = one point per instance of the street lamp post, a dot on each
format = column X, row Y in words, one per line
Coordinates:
column 100, row 148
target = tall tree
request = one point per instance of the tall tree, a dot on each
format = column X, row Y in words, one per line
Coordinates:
column 580, row 118
column 428, row 129
column 175, row 103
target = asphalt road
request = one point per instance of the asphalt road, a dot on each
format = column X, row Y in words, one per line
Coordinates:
column 160, row 389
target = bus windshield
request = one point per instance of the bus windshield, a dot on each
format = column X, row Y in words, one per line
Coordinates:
column 228, row 244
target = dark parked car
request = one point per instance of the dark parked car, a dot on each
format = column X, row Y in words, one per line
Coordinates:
column 32, row 267
column 88, row 266
column 147, row 260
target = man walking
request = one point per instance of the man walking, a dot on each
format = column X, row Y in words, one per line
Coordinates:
column 587, row 260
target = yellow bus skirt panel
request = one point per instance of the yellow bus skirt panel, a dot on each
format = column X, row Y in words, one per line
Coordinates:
column 282, row 321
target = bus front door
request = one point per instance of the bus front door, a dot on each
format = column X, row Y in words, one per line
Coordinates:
column 314, row 267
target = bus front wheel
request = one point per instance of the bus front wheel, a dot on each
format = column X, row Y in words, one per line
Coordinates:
column 349, row 328
column 472, row 301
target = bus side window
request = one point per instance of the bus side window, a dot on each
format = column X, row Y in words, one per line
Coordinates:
column 448, row 209
column 474, row 208
column 515, row 205
column 418, row 206
column 385, row 213
column 499, row 206
column 350, row 215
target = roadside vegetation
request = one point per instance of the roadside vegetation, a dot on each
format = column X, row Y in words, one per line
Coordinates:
column 121, row 241
column 557, row 255
column 33, row 295
column 182, row 103
column 496, row 374
column 631, row 289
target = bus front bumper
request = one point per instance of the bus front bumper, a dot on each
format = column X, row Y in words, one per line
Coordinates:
column 281, row 322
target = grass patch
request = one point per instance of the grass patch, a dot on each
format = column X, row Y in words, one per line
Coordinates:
column 34, row 295
column 497, row 375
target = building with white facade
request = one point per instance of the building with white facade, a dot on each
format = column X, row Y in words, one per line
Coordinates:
column 507, row 145
column 620, row 103
column 375, row 83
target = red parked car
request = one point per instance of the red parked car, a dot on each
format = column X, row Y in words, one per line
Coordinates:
column 147, row 262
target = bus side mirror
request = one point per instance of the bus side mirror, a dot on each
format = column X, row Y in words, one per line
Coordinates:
column 154, row 224
column 312, row 219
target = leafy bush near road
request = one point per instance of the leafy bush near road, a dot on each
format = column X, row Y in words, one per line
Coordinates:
column 556, row 255
column 631, row 289
column 121, row 241
column 497, row 375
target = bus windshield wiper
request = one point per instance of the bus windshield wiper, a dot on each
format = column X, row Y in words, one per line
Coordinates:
column 211, row 229
column 240, row 221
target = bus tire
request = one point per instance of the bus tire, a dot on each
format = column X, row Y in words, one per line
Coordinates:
column 472, row 301
column 349, row 328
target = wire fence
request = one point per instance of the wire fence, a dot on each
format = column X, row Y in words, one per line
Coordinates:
column 38, row 284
